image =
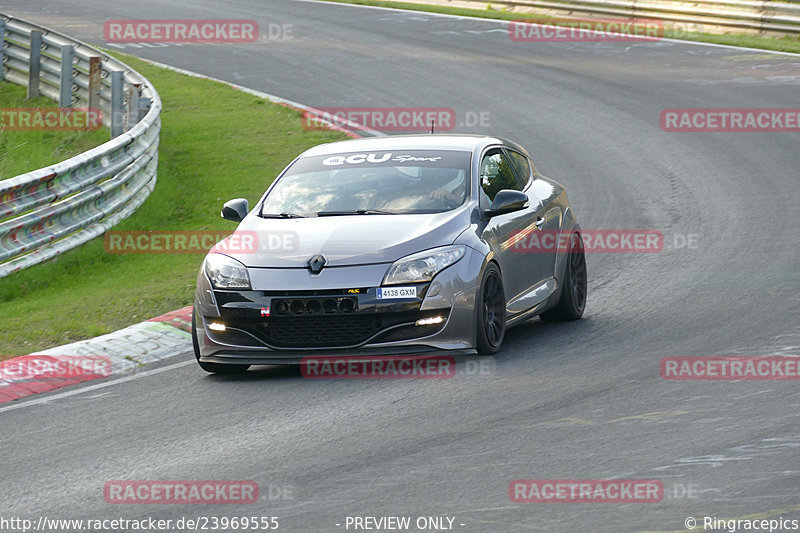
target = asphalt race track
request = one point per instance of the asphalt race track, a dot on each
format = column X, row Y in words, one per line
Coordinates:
column 580, row 400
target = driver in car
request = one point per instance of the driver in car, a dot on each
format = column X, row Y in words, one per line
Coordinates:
column 435, row 180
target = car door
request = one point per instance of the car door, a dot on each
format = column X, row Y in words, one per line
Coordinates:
column 542, row 245
column 521, row 272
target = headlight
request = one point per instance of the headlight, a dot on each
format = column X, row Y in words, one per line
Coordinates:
column 226, row 272
column 423, row 266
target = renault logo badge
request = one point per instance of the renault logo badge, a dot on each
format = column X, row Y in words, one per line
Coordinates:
column 316, row 264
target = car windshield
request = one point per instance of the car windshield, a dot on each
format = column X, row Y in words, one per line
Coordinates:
column 397, row 182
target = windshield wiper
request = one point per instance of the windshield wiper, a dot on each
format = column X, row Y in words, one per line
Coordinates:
column 281, row 215
column 354, row 212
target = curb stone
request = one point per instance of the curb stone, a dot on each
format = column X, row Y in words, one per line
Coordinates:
column 156, row 339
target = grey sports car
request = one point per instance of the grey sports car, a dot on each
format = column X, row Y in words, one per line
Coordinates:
column 389, row 246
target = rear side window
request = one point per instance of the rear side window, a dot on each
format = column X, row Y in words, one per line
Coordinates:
column 497, row 174
column 521, row 165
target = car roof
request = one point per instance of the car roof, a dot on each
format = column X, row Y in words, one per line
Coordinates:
column 461, row 142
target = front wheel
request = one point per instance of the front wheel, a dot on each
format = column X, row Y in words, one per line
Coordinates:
column 213, row 368
column 573, row 294
column 491, row 315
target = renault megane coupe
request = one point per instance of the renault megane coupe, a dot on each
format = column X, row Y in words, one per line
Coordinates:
column 389, row 246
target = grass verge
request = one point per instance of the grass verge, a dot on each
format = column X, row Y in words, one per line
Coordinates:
column 216, row 143
column 23, row 151
column 779, row 44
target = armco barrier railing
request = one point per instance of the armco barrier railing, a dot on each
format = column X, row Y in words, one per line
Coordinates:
column 768, row 17
column 53, row 209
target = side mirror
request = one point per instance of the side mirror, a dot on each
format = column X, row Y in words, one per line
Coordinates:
column 235, row 210
column 507, row 201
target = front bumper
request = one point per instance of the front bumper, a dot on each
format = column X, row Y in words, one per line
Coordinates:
column 283, row 326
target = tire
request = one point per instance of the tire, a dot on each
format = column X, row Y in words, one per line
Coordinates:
column 573, row 294
column 490, row 302
column 213, row 368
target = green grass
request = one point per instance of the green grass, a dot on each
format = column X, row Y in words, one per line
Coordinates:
column 779, row 44
column 23, row 151
column 216, row 144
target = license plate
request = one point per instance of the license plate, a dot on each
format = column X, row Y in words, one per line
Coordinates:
column 397, row 293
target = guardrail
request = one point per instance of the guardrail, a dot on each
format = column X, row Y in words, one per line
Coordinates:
column 56, row 208
column 764, row 17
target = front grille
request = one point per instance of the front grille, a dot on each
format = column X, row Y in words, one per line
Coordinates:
column 339, row 330
column 331, row 331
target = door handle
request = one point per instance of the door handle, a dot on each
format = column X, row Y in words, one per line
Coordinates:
column 540, row 222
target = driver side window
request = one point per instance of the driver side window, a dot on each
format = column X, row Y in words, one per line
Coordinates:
column 497, row 174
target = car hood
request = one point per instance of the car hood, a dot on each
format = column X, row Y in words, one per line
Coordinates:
column 343, row 240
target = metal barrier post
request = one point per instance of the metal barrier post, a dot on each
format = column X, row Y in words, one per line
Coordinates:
column 35, row 64
column 67, row 54
column 117, row 109
column 94, row 83
column 133, row 94
column 144, row 106
column 2, row 45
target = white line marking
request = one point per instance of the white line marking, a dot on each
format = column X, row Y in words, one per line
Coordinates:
column 499, row 21
column 58, row 396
